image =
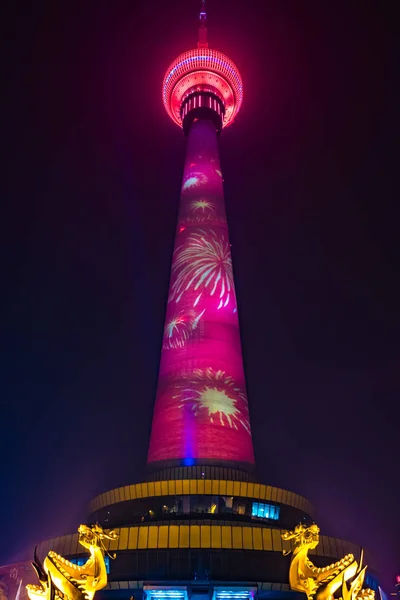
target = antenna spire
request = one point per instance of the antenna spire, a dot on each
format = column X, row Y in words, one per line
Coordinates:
column 202, row 43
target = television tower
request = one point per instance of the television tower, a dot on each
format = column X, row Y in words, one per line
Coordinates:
column 201, row 527
column 201, row 414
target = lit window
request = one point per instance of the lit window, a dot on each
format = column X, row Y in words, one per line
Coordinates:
column 265, row 511
column 165, row 593
column 228, row 501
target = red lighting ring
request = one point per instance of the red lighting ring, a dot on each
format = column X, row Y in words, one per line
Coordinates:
column 202, row 66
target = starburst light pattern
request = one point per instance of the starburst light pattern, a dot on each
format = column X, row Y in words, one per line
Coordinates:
column 193, row 181
column 201, row 205
column 203, row 262
column 215, row 394
column 180, row 328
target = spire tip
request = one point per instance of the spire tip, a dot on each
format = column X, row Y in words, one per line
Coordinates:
column 203, row 43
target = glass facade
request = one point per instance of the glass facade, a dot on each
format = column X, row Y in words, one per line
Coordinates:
column 194, row 506
column 265, row 511
column 210, row 505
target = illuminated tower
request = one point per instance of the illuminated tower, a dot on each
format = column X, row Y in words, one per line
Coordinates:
column 201, row 527
column 201, row 413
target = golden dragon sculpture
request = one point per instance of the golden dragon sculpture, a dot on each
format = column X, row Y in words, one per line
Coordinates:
column 322, row 583
column 60, row 579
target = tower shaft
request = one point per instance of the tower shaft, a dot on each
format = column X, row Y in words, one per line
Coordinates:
column 201, row 412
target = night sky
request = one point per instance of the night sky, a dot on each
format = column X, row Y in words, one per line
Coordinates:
column 92, row 170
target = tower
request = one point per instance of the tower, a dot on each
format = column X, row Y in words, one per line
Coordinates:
column 201, row 525
column 201, row 394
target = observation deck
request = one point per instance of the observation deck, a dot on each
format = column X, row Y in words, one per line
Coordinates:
column 207, row 77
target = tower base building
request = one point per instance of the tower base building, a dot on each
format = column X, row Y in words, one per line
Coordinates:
column 201, row 532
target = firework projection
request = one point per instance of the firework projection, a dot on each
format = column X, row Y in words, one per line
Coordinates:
column 201, row 211
column 201, row 410
column 217, row 394
column 203, row 263
column 179, row 329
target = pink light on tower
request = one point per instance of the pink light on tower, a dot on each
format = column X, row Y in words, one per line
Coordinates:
column 201, row 412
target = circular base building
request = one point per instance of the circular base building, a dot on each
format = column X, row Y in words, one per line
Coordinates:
column 200, row 532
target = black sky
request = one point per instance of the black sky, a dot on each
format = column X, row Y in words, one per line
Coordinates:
column 92, row 169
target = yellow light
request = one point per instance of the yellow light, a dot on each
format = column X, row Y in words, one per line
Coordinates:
column 69, row 581
column 321, row 583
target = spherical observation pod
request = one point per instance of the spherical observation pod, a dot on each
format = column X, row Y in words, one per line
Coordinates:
column 207, row 70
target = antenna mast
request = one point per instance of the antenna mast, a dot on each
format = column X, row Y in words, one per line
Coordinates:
column 202, row 43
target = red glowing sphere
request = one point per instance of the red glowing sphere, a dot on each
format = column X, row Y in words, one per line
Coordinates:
column 204, row 69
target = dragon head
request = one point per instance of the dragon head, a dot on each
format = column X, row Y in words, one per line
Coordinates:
column 92, row 536
column 302, row 537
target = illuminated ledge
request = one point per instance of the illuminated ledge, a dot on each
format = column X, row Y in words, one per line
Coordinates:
column 165, row 592
column 234, row 537
column 215, row 487
column 264, row 586
column 234, row 593
column 171, row 592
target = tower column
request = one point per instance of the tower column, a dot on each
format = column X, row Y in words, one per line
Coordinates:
column 201, row 413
